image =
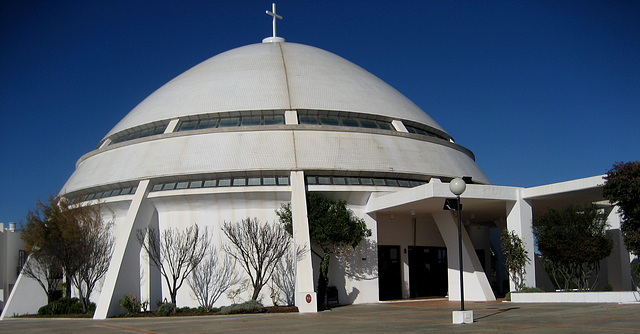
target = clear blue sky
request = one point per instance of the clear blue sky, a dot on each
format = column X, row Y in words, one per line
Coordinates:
column 540, row 91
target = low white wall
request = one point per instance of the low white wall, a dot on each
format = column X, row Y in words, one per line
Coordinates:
column 576, row 297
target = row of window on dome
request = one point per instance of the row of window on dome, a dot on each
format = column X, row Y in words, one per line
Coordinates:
column 107, row 193
column 156, row 130
column 225, row 122
column 419, row 131
column 345, row 121
column 365, row 181
column 224, row 182
column 305, row 118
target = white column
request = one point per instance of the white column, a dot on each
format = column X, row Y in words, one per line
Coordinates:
column 150, row 276
column 305, row 295
column 476, row 284
column 399, row 126
column 618, row 269
column 172, row 125
column 105, row 143
column 520, row 220
column 290, row 117
column 123, row 276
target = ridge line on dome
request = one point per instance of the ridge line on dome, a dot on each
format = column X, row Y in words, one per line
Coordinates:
column 286, row 75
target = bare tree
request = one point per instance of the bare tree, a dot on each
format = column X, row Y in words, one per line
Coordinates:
column 284, row 279
column 42, row 268
column 212, row 277
column 257, row 247
column 97, row 251
column 175, row 253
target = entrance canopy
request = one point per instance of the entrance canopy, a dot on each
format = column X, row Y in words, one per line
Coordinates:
column 489, row 203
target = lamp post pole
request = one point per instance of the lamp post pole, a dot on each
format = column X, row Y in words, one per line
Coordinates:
column 460, row 255
column 457, row 187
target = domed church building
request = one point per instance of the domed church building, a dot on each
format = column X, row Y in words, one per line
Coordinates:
column 252, row 128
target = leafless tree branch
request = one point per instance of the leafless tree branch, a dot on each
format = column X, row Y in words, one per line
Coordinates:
column 212, row 277
column 257, row 247
column 175, row 253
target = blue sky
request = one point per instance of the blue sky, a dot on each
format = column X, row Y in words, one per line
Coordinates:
column 540, row 91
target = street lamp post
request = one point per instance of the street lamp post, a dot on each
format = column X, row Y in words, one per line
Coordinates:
column 457, row 187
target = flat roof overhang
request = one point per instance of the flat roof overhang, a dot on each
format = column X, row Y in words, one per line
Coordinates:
column 489, row 203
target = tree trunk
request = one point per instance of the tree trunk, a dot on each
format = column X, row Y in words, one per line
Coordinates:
column 67, row 287
column 323, row 281
column 256, row 292
column 173, row 294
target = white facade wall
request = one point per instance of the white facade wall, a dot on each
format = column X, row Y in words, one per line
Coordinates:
column 286, row 149
column 10, row 244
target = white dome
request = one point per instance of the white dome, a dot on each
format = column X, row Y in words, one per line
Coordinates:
column 262, row 80
column 269, row 76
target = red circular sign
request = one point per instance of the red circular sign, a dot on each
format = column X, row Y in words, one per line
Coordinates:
column 308, row 298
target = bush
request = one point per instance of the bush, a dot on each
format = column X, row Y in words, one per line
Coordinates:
column 530, row 289
column 524, row 289
column 607, row 287
column 196, row 310
column 165, row 309
column 65, row 306
column 251, row 306
column 131, row 304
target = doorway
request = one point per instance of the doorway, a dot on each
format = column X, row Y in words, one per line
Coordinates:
column 389, row 273
column 428, row 271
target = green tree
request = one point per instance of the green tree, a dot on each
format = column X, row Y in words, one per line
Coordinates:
column 573, row 239
column 516, row 257
column 332, row 226
column 622, row 188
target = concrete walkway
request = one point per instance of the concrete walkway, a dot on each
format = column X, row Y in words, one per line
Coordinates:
column 405, row 317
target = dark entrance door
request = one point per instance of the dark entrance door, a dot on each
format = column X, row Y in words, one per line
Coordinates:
column 428, row 272
column 389, row 274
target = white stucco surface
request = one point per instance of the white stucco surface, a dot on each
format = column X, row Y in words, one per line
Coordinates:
column 269, row 76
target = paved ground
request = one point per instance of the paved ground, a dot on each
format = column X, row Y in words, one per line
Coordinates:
column 416, row 317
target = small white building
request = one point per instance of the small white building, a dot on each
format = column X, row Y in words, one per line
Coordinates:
column 249, row 129
column 12, row 257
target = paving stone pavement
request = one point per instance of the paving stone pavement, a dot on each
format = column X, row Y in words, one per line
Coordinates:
column 402, row 317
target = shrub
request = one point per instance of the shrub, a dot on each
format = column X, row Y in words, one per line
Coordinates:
column 530, row 289
column 607, row 287
column 65, row 306
column 131, row 304
column 516, row 257
column 251, row 306
column 197, row 310
column 165, row 309
column 524, row 289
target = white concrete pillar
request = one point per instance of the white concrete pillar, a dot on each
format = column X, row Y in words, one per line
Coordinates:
column 105, row 143
column 476, row 284
column 150, row 276
column 520, row 220
column 618, row 263
column 399, row 126
column 172, row 125
column 123, row 276
column 305, row 295
column 291, row 117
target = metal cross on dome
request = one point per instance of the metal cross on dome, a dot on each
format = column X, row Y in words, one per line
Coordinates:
column 275, row 16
